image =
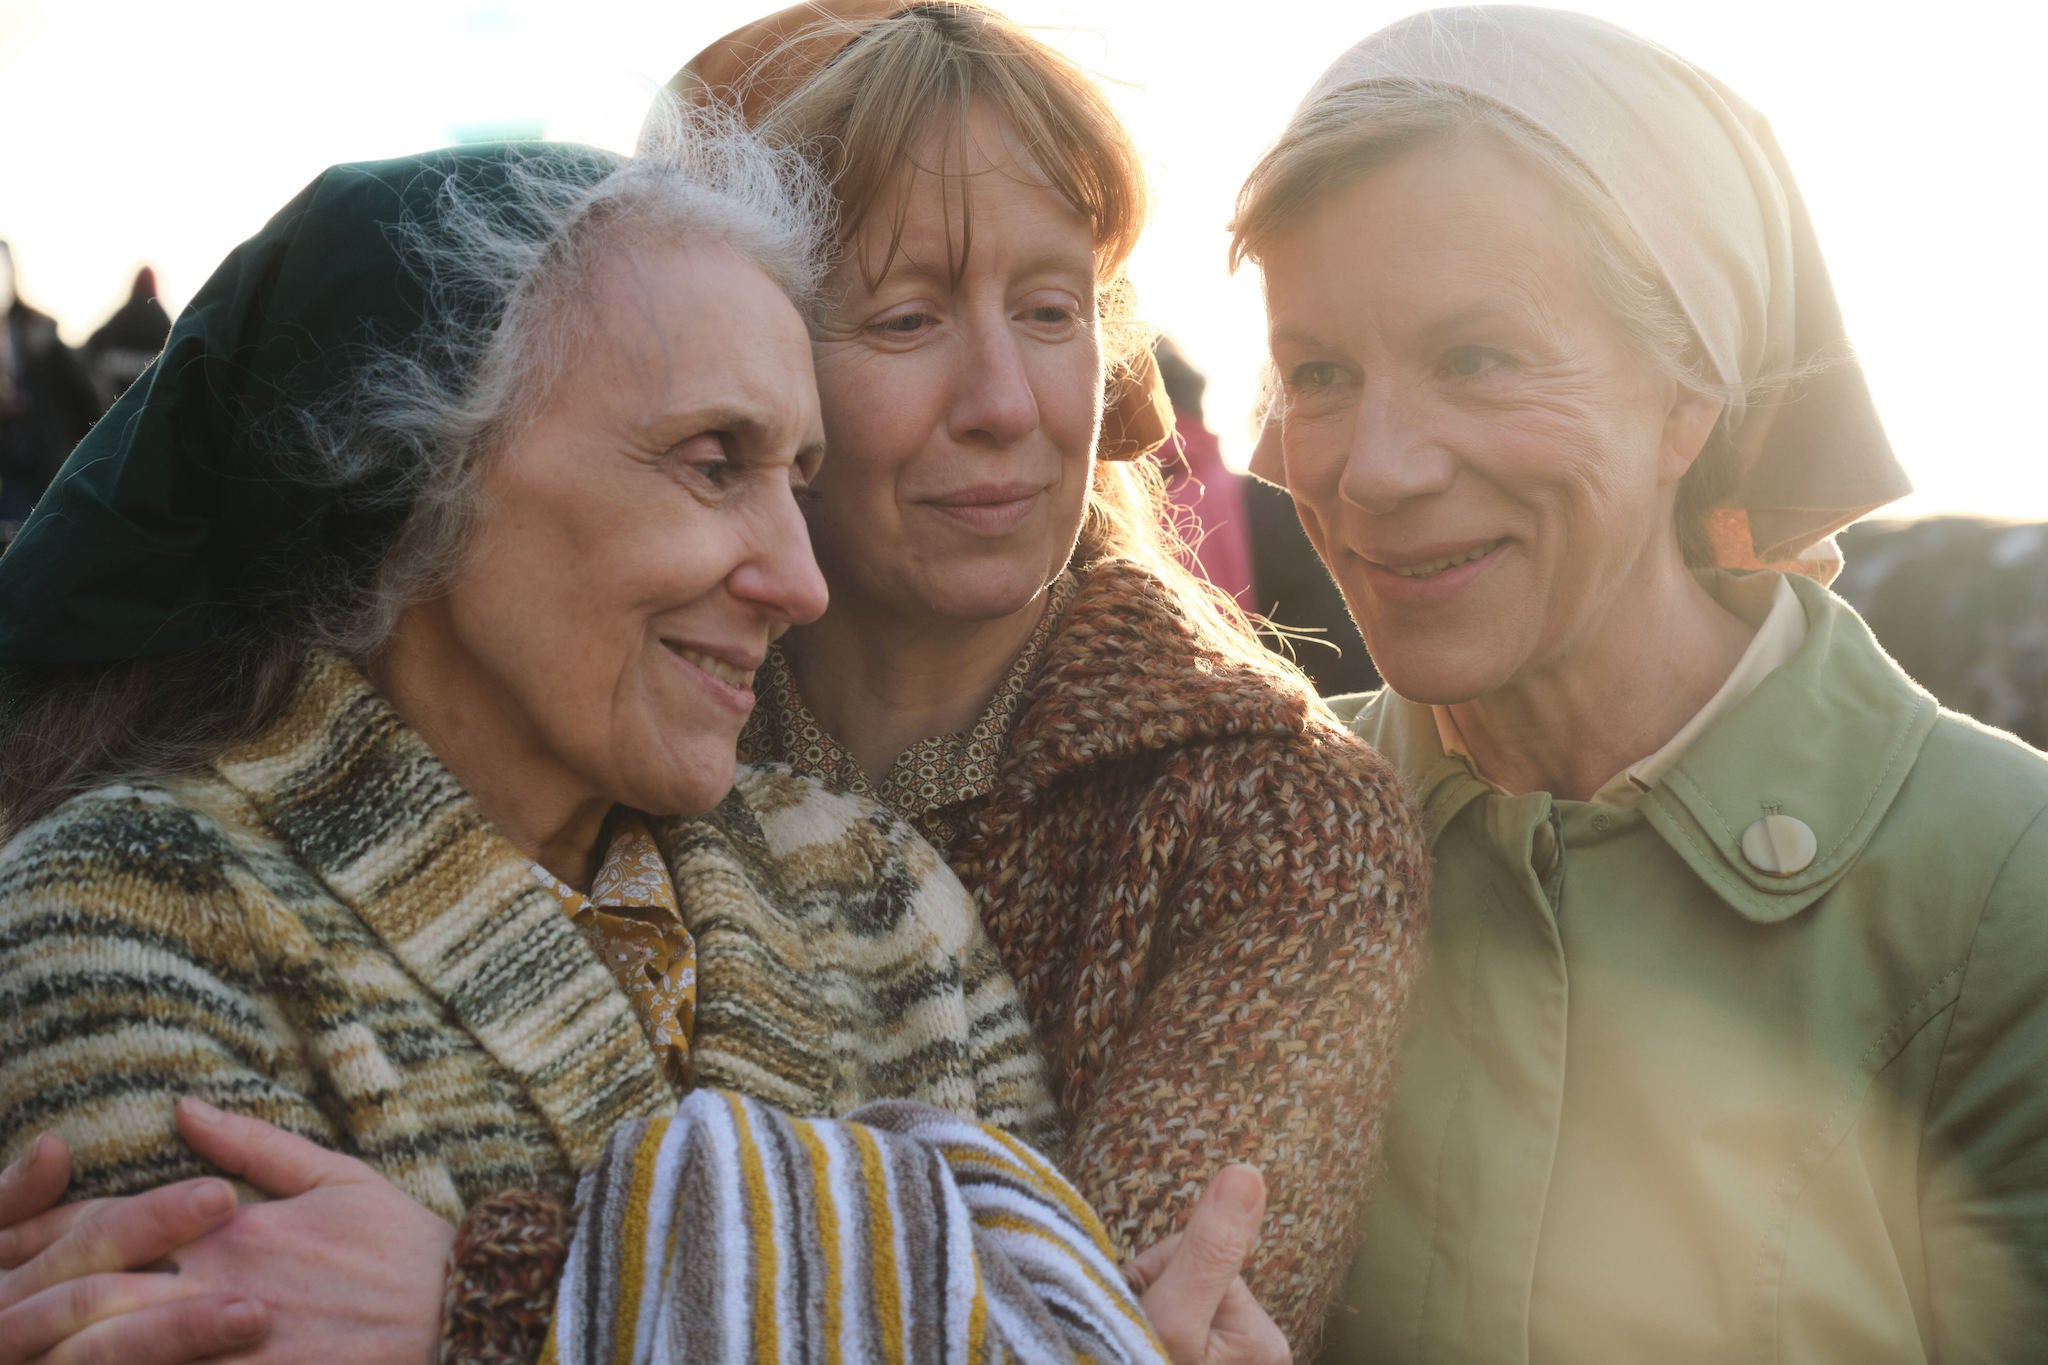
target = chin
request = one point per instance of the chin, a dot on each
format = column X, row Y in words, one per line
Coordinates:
column 985, row 597
column 694, row 791
column 1423, row 687
column 1424, row 675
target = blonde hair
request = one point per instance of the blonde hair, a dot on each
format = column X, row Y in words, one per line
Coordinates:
column 1353, row 130
column 922, row 69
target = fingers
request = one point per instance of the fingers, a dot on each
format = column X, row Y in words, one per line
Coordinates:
column 278, row 1163
column 1144, row 1268
column 1183, row 1300
column 34, row 1182
column 24, row 1242
column 118, row 1234
column 1243, row 1334
column 170, row 1334
column 132, row 1319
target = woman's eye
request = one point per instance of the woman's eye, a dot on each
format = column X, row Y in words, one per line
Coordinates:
column 1054, row 311
column 708, row 456
column 1316, row 374
column 1467, row 362
column 905, row 324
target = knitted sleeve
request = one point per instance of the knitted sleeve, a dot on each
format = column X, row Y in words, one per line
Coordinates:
column 1280, row 953
column 128, row 979
column 1010, row 1087
column 503, row 1270
column 732, row 1232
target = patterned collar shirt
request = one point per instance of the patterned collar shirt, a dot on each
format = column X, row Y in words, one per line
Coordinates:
column 936, row 784
column 631, row 918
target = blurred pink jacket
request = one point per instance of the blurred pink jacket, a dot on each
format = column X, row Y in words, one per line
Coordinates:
column 1198, row 482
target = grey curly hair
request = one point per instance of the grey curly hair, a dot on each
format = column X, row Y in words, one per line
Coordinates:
column 422, row 415
column 441, row 405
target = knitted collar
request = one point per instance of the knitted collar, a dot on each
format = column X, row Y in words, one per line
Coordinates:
column 813, row 924
column 1126, row 676
column 366, row 807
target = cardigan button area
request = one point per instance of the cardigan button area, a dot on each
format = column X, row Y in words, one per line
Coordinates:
column 1779, row 846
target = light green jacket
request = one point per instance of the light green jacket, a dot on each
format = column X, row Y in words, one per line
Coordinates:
column 1661, row 1107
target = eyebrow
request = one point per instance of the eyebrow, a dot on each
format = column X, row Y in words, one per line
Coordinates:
column 1295, row 337
column 906, row 268
column 1490, row 309
column 734, row 420
column 1054, row 262
column 748, row 427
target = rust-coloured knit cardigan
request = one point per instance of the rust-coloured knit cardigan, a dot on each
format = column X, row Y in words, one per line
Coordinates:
column 1212, row 897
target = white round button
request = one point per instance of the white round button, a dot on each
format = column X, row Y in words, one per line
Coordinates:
column 1779, row 846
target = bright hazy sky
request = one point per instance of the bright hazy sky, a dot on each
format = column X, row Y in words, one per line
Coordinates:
column 165, row 133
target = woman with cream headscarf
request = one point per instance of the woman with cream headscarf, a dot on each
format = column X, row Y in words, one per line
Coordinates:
column 1731, row 1040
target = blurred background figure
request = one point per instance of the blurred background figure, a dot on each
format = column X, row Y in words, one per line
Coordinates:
column 47, row 401
column 1249, row 542
column 122, row 348
column 1207, row 497
column 1295, row 592
column 1962, row 604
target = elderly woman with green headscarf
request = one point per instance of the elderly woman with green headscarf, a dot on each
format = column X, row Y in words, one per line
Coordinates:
column 1732, row 1039
column 373, row 678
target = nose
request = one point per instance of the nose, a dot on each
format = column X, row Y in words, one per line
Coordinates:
column 993, row 403
column 1395, row 453
column 779, row 574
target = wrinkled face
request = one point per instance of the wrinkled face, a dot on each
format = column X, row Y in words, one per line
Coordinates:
column 641, row 543
column 962, row 412
column 1479, row 454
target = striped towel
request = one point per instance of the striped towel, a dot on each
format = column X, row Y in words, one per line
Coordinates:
column 733, row 1232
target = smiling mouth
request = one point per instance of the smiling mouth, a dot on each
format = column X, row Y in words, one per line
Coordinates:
column 732, row 675
column 1430, row 568
column 989, row 511
column 988, row 495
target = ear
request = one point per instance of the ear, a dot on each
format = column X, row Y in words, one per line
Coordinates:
column 1687, row 425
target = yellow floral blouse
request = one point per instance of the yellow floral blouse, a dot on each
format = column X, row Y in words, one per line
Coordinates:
column 631, row 918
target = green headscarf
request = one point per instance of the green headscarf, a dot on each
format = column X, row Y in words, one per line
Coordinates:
column 179, row 518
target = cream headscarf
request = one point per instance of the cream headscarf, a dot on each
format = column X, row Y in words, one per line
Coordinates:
column 1700, row 177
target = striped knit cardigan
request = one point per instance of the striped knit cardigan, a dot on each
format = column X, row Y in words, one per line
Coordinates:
column 322, row 930
column 1212, row 897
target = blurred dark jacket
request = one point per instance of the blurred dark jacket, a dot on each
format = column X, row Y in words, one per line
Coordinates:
column 124, row 345
column 1291, row 588
column 1962, row 604
column 47, row 402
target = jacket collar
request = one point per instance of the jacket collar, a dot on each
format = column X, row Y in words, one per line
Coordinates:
column 1126, row 675
column 1828, row 739
column 370, row 811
